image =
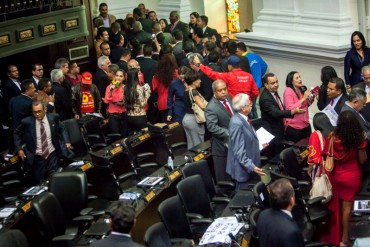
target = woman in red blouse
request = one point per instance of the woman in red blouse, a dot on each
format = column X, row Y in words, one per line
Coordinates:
column 116, row 107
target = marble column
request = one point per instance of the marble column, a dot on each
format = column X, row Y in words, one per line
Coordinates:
column 303, row 35
column 166, row 6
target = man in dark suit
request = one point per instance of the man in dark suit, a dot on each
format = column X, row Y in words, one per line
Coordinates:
column 37, row 73
column 38, row 141
column 147, row 64
column 337, row 93
column 275, row 225
column 63, row 101
column 203, row 24
column 10, row 89
column 273, row 110
column 146, row 23
column 243, row 157
column 157, row 30
column 177, row 24
column 140, row 34
column 21, row 106
column 229, row 49
column 125, row 57
column 177, row 48
column 122, row 220
column 101, row 79
column 365, row 85
column 218, row 113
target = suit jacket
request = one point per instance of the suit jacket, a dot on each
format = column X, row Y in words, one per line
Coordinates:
column 352, row 63
column 338, row 107
column 63, row 101
column 244, row 153
column 101, row 80
column 365, row 125
column 25, row 136
column 271, row 113
column 142, row 36
column 9, row 90
column 20, row 107
column 209, row 32
column 147, row 24
column 115, row 241
column 217, row 120
column 283, row 232
column 122, row 64
column 177, row 49
column 182, row 26
column 147, row 66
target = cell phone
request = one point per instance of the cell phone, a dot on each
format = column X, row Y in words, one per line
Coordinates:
column 153, row 36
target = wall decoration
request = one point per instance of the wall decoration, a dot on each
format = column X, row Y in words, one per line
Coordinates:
column 233, row 19
column 4, row 39
column 48, row 29
column 69, row 24
column 25, row 34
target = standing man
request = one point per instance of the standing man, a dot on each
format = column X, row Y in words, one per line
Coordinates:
column 337, row 93
column 275, row 225
column 10, row 89
column 243, row 157
column 101, row 79
column 85, row 97
column 107, row 19
column 203, row 24
column 145, row 23
column 273, row 110
column 121, row 222
column 365, row 85
column 38, row 141
column 63, row 102
column 237, row 80
column 218, row 113
column 20, row 106
column 37, row 73
column 101, row 36
column 177, row 24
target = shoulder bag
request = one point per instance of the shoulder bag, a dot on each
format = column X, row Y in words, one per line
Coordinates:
column 329, row 161
column 362, row 156
column 321, row 185
column 198, row 112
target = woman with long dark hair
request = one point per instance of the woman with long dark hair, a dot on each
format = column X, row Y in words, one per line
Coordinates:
column 116, row 108
column 165, row 73
column 327, row 72
column 298, row 127
column 136, row 97
column 357, row 57
column 346, row 177
column 193, row 21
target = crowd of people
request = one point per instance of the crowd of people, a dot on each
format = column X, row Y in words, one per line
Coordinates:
column 152, row 70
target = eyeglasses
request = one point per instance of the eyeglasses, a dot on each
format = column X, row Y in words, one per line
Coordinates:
column 366, row 78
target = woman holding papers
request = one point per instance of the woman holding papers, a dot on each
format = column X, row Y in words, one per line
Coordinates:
column 298, row 127
column 348, row 139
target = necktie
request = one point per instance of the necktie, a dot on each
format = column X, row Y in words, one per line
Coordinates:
column 44, row 141
column 278, row 101
column 250, row 123
column 332, row 102
column 227, row 107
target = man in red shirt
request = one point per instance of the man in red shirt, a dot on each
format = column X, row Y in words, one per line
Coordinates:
column 85, row 97
column 237, row 80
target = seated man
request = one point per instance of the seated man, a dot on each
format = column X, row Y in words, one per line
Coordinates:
column 122, row 221
column 275, row 226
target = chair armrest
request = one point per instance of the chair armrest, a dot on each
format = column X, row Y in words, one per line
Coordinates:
column 287, row 143
column 226, row 184
column 99, row 145
column 83, row 218
column 194, row 216
column 11, row 183
column 188, row 242
column 303, row 183
column 126, row 176
column 201, row 221
column 85, row 211
column 178, row 144
column 317, row 244
column 149, row 164
column 220, row 199
column 145, row 155
column 92, row 197
column 315, row 201
column 94, row 136
column 114, row 135
column 64, row 240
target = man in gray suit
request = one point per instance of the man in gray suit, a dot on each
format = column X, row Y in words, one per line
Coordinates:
column 217, row 120
column 243, row 157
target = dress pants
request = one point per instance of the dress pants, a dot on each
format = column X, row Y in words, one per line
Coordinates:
column 194, row 131
column 118, row 124
column 42, row 168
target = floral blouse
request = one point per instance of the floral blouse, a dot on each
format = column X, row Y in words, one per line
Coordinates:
column 141, row 101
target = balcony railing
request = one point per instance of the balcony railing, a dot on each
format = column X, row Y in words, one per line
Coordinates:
column 13, row 9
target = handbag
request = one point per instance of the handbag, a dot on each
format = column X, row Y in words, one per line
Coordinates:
column 362, row 156
column 198, row 112
column 329, row 161
column 321, row 185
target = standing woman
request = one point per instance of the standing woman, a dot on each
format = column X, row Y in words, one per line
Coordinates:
column 163, row 23
column 175, row 99
column 136, row 97
column 356, row 58
column 194, row 131
column 193, row 21
column 116, row 107
column 327, row 73
column 298, row 127
column 346, row 177
column 165, row 73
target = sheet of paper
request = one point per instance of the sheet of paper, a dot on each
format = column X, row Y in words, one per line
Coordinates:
column 331, row 114
column 263, row 137
column 218, row 231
